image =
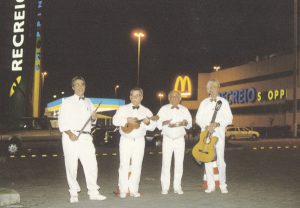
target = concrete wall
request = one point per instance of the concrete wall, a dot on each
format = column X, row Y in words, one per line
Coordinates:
column 271, row 66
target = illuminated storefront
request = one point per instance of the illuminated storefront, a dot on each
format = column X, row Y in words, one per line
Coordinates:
column 260, row 93
column 105, row 111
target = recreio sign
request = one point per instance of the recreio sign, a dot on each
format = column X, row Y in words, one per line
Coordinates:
column 18, row 36
column 251, row 95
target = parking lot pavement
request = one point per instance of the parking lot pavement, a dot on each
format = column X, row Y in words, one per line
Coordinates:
column 256, row 178
column 268, row 143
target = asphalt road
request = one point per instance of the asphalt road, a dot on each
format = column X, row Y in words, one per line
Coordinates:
column 257, row 177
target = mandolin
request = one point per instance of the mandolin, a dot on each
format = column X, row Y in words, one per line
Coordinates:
column 130, row 127
column 204, row 150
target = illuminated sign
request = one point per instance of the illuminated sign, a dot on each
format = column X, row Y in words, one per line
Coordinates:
column 14, row 85
column 240, row 96
column 272, row 95
column 251, row 95
column 18, row 36
column 184, row 86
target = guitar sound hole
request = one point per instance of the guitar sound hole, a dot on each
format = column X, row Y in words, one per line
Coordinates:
column 203, row 151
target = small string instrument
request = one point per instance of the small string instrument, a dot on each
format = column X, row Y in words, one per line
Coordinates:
column 129, row 127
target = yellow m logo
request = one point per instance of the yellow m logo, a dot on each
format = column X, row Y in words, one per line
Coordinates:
column 184, row 86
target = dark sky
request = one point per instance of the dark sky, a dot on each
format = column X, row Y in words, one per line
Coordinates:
column 93, row 38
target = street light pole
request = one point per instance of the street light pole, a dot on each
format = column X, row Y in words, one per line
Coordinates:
column 139, row 52
column 139, row 35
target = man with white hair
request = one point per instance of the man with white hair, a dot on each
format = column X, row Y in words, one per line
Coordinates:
column 174, row 119
column 223, row 119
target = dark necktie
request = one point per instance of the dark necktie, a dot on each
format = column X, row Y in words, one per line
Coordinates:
column 175, row 107
column 81, row 98
column 135, row 107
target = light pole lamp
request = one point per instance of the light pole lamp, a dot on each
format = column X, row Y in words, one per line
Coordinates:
column 44, row 74
column 116, row 88
column 217, row 68
column 139, row 35
column 160, row 95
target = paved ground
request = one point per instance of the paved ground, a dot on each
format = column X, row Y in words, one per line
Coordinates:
column 256, row 177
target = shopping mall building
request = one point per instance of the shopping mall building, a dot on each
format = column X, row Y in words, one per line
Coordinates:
column 260, row 93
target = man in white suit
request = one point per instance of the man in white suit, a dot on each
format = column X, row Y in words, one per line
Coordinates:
column 132, row 144
column 223, row 119
column 174, row 119
column 73, row 114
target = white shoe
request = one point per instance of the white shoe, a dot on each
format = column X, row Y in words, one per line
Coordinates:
column 74, row 199
column 164, row 192
column 209, row 190
column 98, row 197
column 224, row 190
column 179, row 191
column 135, row 195
column 122, row 195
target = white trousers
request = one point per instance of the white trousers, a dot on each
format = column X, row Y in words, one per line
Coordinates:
column 130, row 149
column 168, row 147
column 220, row 146
column 84, row 150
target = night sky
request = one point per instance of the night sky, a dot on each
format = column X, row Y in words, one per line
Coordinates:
column 93, row 38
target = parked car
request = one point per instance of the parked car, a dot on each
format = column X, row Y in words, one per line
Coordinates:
column 192, row 135
column 30, row 133
column 107, row 135
column 191, row 138
column 241, row 133
column 110, row 136
column 153, row 138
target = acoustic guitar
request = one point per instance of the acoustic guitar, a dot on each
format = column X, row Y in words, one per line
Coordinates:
column 130, row 127
column 204, row 151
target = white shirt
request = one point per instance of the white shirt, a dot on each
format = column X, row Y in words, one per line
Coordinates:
column 177, row 115
column 206, row 111
column 125, row 111
column 73, row 114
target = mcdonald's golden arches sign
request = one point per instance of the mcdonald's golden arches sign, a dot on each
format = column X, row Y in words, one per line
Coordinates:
column 184, row 86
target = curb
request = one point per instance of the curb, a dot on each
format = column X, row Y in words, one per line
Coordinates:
column 9, row 196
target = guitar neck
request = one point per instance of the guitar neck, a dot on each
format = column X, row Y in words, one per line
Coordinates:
column 140, row 121
column 151, row 118
column 214, row 116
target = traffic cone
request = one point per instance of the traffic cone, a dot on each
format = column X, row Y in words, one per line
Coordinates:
column 117, row 192
column 216, row 177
